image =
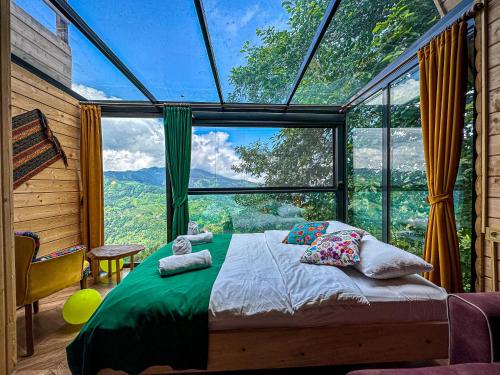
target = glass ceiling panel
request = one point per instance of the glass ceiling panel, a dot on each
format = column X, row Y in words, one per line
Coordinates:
column 65, row 54
column 363, row 38
column 159, row 41
column 259, row 45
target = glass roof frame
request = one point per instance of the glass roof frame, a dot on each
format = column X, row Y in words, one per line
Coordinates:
column 72, row 16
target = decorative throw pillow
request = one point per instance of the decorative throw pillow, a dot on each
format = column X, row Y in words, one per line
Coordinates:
column 334, row 249
column 305, row 233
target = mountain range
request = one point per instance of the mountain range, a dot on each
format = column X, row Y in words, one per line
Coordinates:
column 199, row 178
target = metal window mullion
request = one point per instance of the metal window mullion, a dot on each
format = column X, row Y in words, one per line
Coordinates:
column 200, row 11
column 72, row 16
column 339, row 170
column 261, row 190
column 315, row 43
column 170, row 205
column 386, row 165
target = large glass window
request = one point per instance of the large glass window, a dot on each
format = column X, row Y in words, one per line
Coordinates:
column 408, row 207
column 160, row 41
column 135, row 207
column 46, row 40
column 406, row 190
column 225, row 157
column 259, row 45
column 363, row 38
column 364, row 165
column 233, row 158
column 250, row 213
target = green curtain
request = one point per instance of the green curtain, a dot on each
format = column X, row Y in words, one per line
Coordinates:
column 177, row 124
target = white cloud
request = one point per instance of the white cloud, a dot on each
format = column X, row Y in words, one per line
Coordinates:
column 132, row 143
column 214, row 153
column 124, row 160
column 91, row 93
column 402, row 94
column 227, row 22
column 137, row 143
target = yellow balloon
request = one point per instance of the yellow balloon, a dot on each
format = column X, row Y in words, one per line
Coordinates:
column 80, row 306
column 104, row 265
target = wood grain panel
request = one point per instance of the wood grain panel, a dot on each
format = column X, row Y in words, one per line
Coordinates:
column 263, row 348
column 494, row 207
column 48, row 211
column 491, row 196
column 55, row 234
column 25, row 76
column 44, row 199
column 49, row 203
column 37, row 94
column 494, row 187
column 73, row 164
column 7, row 280
column 39, row 225
column 62, row 243
column 28, row 104
column 47, row 186
column 57, row 174
column 21, row 107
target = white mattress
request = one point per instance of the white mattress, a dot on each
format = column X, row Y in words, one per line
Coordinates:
column 262, row 284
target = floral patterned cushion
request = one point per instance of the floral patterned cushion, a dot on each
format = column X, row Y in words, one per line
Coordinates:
column 339, row 248
column 59, row 253
column 35, row 237
column 305, row 233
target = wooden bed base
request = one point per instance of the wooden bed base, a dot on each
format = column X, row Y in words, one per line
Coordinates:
column 323, row 346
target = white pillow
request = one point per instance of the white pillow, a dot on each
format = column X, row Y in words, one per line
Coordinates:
column 379, row 260
column 335, row 226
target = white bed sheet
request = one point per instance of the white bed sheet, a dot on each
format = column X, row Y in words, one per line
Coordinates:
column 258, row 287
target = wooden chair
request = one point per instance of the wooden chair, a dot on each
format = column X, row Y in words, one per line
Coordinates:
column 39, row 277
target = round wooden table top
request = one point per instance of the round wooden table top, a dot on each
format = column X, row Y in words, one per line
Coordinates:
column 115, row 251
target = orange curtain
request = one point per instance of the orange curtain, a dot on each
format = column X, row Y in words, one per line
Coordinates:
column 92, row 189
column 443, row 74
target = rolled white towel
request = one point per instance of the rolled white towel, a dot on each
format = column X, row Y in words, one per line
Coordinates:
column 181, row 246
column 193, row 228
column 198, row 239
column 175, row 264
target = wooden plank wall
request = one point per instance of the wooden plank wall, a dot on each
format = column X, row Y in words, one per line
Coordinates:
column 484, row 262
column 49, row 203
column 39, row 46
column 7, row 270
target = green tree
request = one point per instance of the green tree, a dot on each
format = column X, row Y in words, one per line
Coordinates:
column 364, row 37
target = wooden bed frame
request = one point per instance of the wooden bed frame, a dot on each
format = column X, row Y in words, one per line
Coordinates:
column 268, row 348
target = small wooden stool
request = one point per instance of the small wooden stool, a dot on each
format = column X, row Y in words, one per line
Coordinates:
column 110, row 253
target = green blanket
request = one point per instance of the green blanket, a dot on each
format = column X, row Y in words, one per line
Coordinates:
column 148, row 320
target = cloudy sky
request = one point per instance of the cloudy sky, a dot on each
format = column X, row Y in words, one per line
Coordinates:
column 132, row 144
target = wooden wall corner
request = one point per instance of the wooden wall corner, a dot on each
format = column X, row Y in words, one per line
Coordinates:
column 7, row 277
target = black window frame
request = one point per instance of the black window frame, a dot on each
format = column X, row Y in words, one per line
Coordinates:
column 244, row 116
column 336, row 123
column 383, row 88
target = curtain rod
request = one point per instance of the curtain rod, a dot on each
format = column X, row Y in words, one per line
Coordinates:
column 207, row 105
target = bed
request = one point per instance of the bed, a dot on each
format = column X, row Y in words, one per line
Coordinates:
column 259, row 307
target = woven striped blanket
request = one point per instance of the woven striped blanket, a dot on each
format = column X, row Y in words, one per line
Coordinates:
column 34, row 145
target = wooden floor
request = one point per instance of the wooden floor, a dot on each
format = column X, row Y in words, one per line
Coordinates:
column 52, row 335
